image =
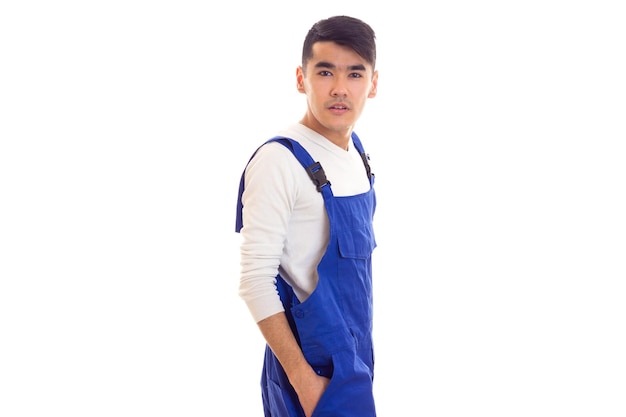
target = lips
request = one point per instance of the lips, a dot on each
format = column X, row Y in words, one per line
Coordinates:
column 338, row 108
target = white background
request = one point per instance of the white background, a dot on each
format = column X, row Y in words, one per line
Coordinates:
column 497, row 139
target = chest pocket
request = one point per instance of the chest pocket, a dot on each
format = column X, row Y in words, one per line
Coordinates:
column 357, row 243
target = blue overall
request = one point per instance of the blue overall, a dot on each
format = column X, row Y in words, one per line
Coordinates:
column 334, row 325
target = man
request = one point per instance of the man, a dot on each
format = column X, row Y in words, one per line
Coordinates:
column 305, row 212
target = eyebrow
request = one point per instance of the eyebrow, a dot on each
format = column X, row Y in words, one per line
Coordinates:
column 324, row 64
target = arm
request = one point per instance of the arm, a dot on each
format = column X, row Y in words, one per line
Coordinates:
column 269, row 199
column 308, row 385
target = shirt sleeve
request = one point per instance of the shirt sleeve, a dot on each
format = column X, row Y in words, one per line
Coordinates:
column 268, row 199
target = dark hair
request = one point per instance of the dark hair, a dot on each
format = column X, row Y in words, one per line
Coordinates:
column 343, row 30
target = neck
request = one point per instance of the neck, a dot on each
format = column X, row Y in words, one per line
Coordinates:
column 340, row 137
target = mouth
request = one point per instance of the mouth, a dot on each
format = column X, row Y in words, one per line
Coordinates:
column 338, row 108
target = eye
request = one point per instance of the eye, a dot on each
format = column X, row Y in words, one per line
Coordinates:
column 356, row 75
column 325, row 73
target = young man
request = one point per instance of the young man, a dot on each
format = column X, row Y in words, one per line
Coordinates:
column 305, row 212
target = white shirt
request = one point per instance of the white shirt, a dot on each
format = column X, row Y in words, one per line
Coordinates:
column 285, row 227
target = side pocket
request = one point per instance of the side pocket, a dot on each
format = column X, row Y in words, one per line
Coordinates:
column 281, row 402
column 350, row 389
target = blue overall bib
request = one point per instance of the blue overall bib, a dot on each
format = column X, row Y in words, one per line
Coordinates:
column 334, row 325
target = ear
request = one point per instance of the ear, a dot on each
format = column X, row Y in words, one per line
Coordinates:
column 300, row 79
column 374, row 86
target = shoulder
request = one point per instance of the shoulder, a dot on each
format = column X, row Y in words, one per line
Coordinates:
column 274, row 156
column 274, row 169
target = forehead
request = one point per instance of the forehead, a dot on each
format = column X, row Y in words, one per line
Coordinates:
column 337, row 55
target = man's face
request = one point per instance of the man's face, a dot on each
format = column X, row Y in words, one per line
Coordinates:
column 337, row 83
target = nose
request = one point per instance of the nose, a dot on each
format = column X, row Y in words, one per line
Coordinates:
column 339, row 89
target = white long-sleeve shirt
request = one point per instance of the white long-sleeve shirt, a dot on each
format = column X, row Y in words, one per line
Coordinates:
column 285, row 226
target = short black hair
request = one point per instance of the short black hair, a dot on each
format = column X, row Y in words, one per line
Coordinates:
column 345, row 31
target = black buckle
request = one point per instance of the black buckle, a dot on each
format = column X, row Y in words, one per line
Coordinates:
column 317, row 174
column 365, row 157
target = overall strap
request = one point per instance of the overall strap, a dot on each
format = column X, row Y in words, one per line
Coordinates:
column 365, row 157
column 313, row 168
